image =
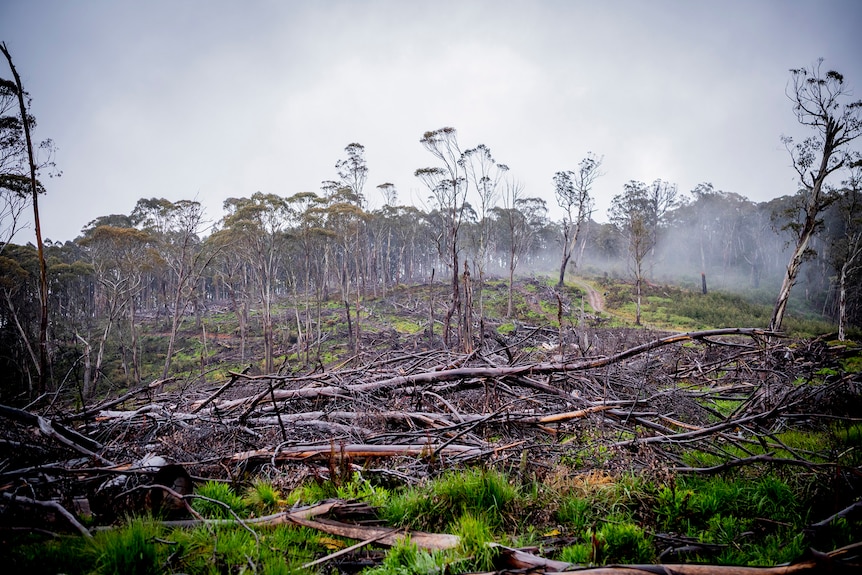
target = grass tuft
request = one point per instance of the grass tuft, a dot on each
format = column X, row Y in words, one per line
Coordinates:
column 223, row 497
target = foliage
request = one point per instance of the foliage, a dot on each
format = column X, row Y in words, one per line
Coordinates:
column 263, row 497
column 224, row 500
column 479, row 492
column 131, row 550
column 475, row 534
column 405, row 558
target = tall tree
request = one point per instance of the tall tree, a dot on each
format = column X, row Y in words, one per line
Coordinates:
column 176, row 228
column 521, row 220
column 14, row 187
column 572, row 190
column 485, row 174
column 661, row 198
column 119, row 257
column 260, row 228
column 820, row 103
column 27, row 123
column 385, row 220
column 448, row 186
column 847, row 247
column 353, row 171
column 631, row 213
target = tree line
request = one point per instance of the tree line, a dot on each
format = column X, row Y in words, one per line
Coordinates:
column 167, row 263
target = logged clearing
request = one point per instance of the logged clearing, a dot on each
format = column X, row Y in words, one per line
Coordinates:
column 536, row 400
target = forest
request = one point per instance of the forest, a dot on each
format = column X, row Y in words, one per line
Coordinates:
column 438, row 379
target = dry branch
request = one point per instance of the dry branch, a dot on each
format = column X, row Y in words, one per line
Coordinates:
column 87, row 414
column 64, row 435
column 50, row 505
column 460, row 373
column 303, row 453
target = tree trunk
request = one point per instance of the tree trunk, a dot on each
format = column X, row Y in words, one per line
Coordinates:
column 266, row 318
column 21, row 332
column 842, row 302
column 509, row 303
column 563, row 266
column 175, row 327
column 43, row 268
column 431, row 308
column 351, row 344
column 467, row 341
column 86, row 390
column 100, row 355
column 136, row 368
column 789, row 280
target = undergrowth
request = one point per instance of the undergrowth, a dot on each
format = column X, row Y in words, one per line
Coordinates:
column 755, row 517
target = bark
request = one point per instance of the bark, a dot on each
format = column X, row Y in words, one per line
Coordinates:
column 40, row 247
column 86, row 386
column 22, row 333
column 842, row 302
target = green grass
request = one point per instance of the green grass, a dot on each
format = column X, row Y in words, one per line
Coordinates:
column 675, row 308
column 475, row 533
column 434, row 506
column 224, row 500
column 132, row 550
column 262, row 497
column 758, row 515
column 405, row 558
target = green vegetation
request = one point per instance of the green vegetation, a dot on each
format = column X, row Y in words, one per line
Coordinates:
column 755, row 518
column 679, row 309
column 220, row 500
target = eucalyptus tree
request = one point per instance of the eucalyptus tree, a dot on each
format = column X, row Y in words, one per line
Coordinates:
column 631, row 213
column 416, row 254
column 19, row 313
column 729, row 232
column 349, row 208
column 307, row 211
column 662, row 197
column 13, row 188
column 447, row 183
column 119, row 256
column 520, row 220
column 846, row 243
column 259, row 228
column 820, row 102
column 19, row 173
column 383, row 223
column 572, row 191
column 485, row 175
column 353, row 171
column 344, row 219
column 233, row 273
column 176, row 229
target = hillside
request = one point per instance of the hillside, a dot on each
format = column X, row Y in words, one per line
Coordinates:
column 560, row 400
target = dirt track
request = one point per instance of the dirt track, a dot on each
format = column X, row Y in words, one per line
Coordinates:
column 595, row 299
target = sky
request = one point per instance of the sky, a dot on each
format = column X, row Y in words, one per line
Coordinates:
column 210, row 99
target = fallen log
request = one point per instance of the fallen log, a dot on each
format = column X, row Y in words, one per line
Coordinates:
column 68, row 437
column 353, row 450
column 88, row 413
column 310, row 392
column 53, row 505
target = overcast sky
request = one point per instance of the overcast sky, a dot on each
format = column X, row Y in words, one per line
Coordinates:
column 212, row 99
